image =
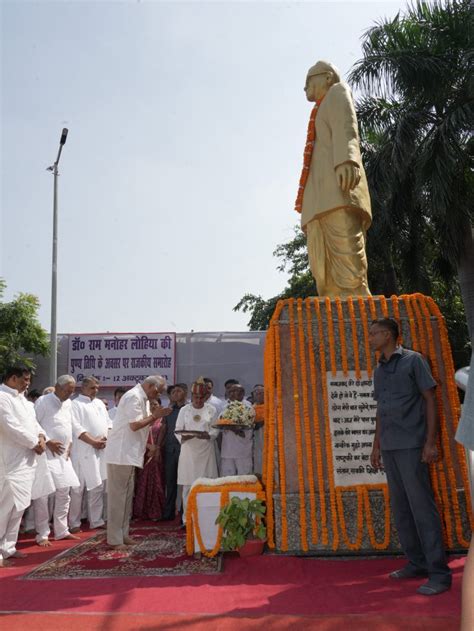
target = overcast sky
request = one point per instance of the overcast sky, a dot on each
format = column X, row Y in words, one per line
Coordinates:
column 187, row 123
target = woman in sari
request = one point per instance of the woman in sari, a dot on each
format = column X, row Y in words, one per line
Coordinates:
column 149, row 497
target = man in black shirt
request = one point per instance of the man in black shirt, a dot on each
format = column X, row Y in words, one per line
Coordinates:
column 177, row 394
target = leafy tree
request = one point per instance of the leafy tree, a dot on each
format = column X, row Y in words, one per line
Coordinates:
column 21, row 334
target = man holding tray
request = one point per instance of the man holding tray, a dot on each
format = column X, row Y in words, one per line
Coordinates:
column 195, row 433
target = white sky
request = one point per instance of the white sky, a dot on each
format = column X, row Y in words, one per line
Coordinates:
column 187, row 122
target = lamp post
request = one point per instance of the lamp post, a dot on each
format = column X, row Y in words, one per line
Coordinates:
column 53, row 366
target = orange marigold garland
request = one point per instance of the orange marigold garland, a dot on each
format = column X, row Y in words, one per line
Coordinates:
column 192, row 520
column 306, row 423
column 299, row 447
column 332, row 345
column 396, row 313
column 384, row 306
column 443, row 434
column 359, row 490
column 316, row 423
column 453, row 398
column 308, row 154
column 327, row 428
column 411, row 321
column 377, row 545
column 355, row 341
column 280, row 439
column 342, row 336
column 365, row 328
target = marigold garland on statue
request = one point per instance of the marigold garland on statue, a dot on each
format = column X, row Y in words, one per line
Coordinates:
column 342, row 336
column 351, row 545
column 355, row 341
column 332, row 345
column 365, row 328
column 307, row 155
column 377, row 545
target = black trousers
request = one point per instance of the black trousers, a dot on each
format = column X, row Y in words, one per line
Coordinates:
column 171, row 477
column 415, row 513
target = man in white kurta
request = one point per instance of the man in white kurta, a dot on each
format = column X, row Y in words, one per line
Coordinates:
column 91, row 422
column 54, row 414
column 21, row 439
column 125, row 450
column 197, row 458
column 237, row 444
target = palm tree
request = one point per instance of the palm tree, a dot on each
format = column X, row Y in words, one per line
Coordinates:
column 416, row 75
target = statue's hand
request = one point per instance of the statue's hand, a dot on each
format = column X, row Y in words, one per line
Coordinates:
column 348, row 176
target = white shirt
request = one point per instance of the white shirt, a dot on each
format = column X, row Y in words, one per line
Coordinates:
column 234, row 446
column 90, row 415
column 19, row 434
column 197, row 457
column 123, row 445
column 55, row 417
column 217, row 403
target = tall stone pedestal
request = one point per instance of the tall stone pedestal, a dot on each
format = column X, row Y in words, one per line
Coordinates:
column 323, row 497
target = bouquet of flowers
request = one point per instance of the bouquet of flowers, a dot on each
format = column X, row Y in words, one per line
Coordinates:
column 237, row 413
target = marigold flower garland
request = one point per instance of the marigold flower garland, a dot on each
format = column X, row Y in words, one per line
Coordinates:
column 342, row 336
column 296, row 408
column 327, row 429
column 332, row 346
column 306, row 423
column 355, row 341
column 453, row 398
column 411, row 321
column 365, row 328
column 307, row 155
column 383, row 306
column 316, row 424
column 351, row 545
column 443, row 433
column 192, row 520
column 396, row 313
column 373, row 316
column 377, row 545
column 281, row 444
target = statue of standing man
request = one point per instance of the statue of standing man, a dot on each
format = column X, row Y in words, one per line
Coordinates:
column 333, row 197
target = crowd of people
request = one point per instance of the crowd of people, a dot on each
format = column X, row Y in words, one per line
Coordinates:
column 66, row 458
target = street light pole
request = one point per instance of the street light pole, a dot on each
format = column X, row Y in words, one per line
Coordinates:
column 53, row 366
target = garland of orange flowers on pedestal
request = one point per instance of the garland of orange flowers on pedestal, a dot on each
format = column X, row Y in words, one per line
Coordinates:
column 192, row 513
column 306, row 423
column 307, row 155
column 418, row 309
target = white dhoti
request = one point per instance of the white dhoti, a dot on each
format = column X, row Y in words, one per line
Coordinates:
column 197, row 459
column 236, row 466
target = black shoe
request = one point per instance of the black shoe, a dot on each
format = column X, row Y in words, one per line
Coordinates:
column 407, row 572
column 430, row 588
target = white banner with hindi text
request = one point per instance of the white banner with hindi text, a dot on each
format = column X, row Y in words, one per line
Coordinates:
column 122, row 359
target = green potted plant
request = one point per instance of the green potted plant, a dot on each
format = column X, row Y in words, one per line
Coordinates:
column 243, row 529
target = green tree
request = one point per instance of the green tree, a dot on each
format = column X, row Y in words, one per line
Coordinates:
column 21, row 335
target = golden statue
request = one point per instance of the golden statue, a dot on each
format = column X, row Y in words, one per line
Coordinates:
column 334, row 197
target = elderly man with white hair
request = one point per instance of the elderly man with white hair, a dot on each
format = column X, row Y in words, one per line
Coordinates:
column 54, row 414
column 126, row 444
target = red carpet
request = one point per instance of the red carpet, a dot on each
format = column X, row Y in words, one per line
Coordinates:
column 251, row 591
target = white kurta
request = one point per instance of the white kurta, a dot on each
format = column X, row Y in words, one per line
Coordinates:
column 55, row 417
column 125, row 446
column 19, row 434
column 90, row 415
column 43, row 483
column 197, row 458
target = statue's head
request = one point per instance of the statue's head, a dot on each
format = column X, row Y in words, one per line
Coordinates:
column 319, row 79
